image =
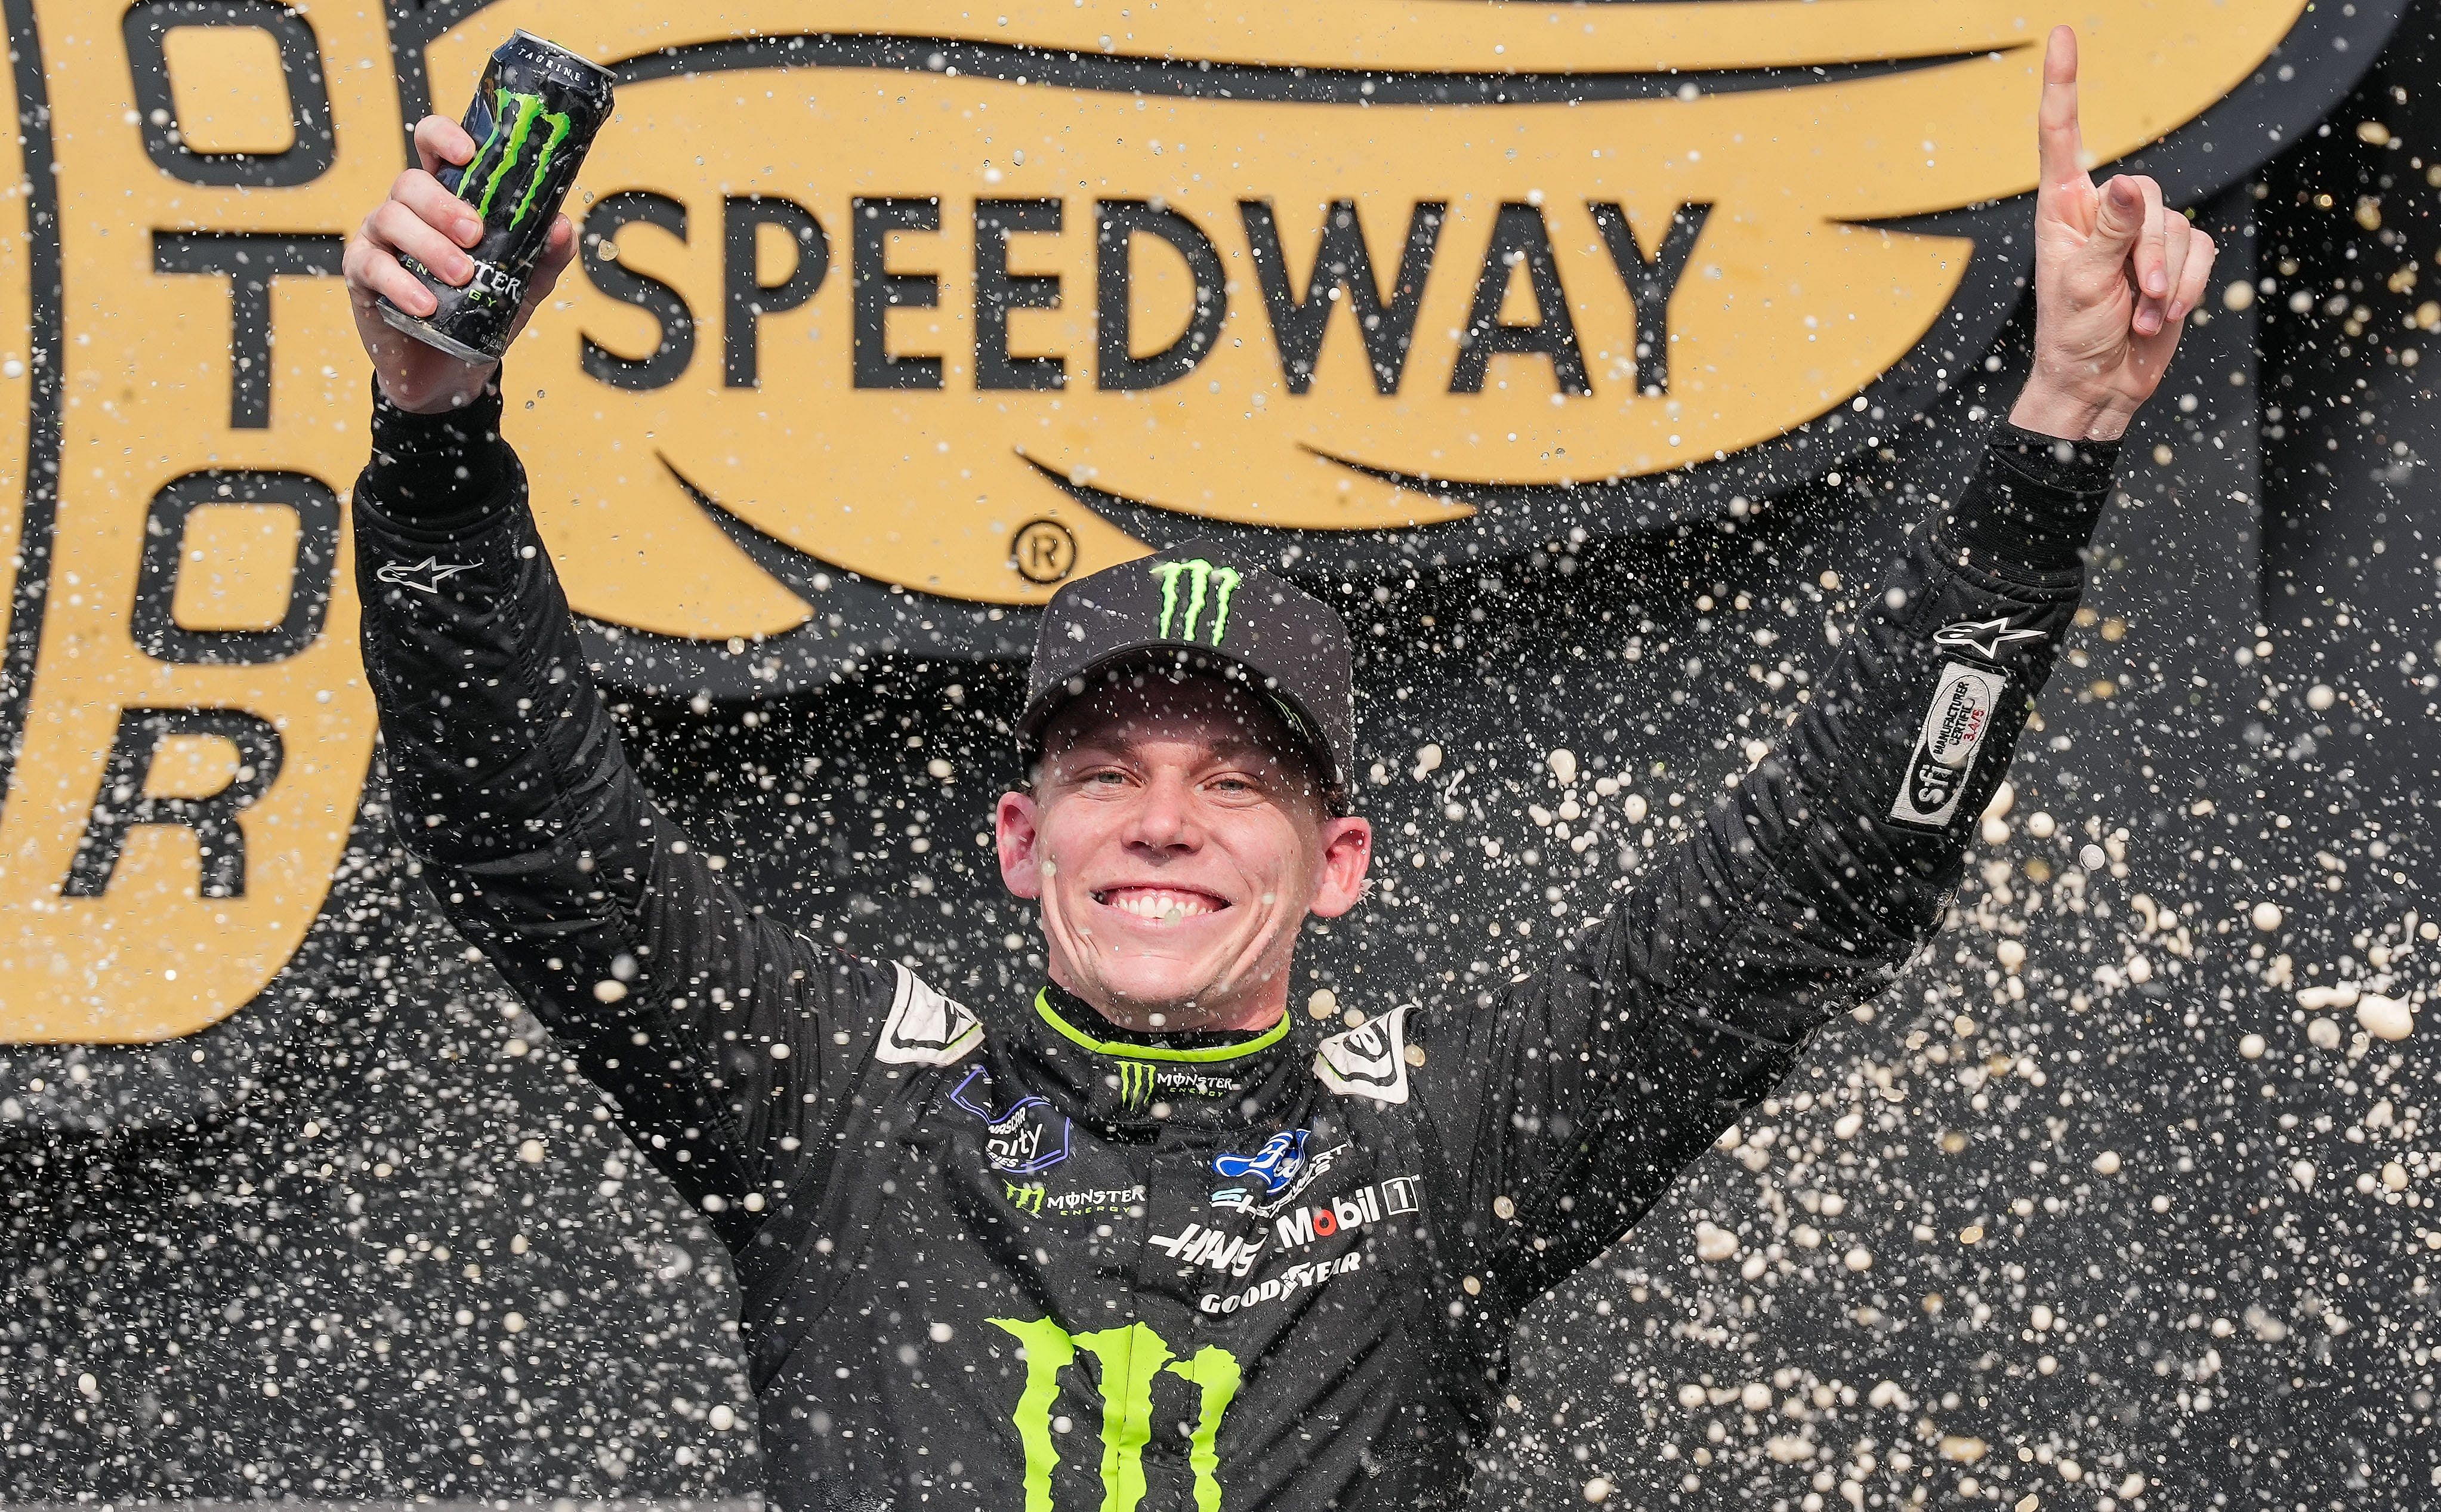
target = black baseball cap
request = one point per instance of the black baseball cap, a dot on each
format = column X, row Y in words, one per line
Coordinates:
column 1201, row 607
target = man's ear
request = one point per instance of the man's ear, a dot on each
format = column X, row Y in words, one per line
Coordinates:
column 1013, row 820
column 1346, row 856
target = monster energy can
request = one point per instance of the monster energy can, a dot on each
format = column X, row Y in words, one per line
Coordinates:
column 534, row 115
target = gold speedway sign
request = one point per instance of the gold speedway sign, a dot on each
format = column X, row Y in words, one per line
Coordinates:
column 918, row 309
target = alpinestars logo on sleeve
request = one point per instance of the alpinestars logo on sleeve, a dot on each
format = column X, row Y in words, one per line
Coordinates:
column 423, row 577
column 1982, row 637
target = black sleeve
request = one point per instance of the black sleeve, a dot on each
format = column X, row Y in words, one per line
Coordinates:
column 1803, row 891
column 724, row 1040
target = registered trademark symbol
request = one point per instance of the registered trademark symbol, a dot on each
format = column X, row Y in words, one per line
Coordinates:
column 1044, row 551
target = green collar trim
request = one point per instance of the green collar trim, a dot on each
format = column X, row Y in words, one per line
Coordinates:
column 1120, row 1048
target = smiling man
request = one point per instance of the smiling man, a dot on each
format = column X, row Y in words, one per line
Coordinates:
column 1143, row 1238
column 1189, row 723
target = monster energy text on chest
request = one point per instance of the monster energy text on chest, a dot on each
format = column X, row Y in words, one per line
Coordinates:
column 1036, row 1199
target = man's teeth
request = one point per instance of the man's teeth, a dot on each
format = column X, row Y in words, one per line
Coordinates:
column 1160, row 903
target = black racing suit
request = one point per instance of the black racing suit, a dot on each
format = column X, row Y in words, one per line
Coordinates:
column 1001, row 1255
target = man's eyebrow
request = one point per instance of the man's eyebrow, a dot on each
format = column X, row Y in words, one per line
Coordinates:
column 1226, row 747
column 1240, row 745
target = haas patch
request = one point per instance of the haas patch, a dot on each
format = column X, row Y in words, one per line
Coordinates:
column 923, row 1028
column 1370, row 1061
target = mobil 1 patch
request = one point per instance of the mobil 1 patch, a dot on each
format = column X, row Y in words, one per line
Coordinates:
column 1963, row 705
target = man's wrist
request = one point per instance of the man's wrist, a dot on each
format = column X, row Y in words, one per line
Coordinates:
column 441, row 402
column 2034, row 502
column 2063, row 416
column 436, row 469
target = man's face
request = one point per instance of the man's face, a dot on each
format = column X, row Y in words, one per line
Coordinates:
column 1176, row 840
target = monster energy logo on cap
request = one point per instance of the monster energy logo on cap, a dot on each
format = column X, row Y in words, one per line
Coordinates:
column 1201, row 607
column 1201, row 576
column 515, row 116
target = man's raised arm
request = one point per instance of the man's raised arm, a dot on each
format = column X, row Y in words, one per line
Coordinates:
column 1805, row 889
column 507, row 778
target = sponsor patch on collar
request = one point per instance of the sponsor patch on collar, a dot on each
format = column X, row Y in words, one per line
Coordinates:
column 1368, row 1061
column 923, row 1028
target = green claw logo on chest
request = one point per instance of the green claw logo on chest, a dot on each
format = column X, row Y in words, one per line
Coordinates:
column 1130, row 1359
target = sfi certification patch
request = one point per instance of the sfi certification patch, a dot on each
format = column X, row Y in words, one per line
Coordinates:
column 1958, row 717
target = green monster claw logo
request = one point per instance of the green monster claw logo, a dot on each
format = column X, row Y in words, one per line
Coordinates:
column 1136, row 1076
column 514, row 117
column 1026, row 1196
column 1199, row 575
column 1130, row 1359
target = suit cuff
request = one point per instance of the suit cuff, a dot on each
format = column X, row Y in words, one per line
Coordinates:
column 2034, row 503
column 439, row 472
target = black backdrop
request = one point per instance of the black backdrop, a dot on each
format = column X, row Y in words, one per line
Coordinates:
column 411, row 1259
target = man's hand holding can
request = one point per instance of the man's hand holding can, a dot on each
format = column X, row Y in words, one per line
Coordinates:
column 425, row 221
column 449, row 269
